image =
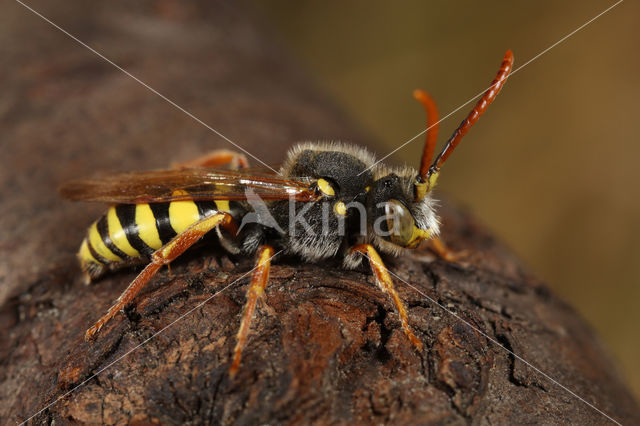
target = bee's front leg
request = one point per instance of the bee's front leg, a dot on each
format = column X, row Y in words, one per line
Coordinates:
column 386, row 285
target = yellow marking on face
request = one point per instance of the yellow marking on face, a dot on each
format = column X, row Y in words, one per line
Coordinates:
column 85, row 254
column 183, row 214
column 367, row 188
column 117, row 234
column 340, row 208
column 325, row 187
column 99, row 246
column 223, row 206
column 417, row 236
column 433, row 179
column 147, row 230
column 421, row 189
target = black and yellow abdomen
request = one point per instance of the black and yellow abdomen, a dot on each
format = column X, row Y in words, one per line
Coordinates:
column 131, row 232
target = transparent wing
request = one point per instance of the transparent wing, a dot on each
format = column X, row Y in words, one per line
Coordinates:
column 187, row 184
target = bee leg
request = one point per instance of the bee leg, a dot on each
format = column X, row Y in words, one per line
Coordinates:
column 256, row 288
column 217, row 158
column 163, row 256
column 386, row 285
column 440, row 248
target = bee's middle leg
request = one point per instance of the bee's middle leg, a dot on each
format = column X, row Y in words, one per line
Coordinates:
column 383, row 279
column 259, row 281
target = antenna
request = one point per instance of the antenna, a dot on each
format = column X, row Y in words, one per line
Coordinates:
column 432, row 131
column 427, row 178
column 476, row 112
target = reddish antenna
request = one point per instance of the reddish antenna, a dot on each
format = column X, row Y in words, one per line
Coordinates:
column 432, row 132
column 472, row 118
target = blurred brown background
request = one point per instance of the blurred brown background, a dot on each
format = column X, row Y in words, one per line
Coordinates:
column 551, row 168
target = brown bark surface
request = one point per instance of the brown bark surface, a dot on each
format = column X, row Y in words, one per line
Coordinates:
column 326, row 345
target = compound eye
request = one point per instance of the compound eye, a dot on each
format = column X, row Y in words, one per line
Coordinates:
column 399, row 222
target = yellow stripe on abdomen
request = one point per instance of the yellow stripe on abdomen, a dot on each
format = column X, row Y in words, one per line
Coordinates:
column 98, row 245
column 183, row 214
column 85, row 254
column 147, row 228
column 117, row 234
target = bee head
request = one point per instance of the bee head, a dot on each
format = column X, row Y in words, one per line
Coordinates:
column 397, row 219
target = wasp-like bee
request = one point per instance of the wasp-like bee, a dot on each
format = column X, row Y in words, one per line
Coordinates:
column 329, row 199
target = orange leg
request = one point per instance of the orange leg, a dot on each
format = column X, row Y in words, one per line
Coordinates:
column 441, row 249
column 256, row 288
column 163, row 256
column 386, row 285
column 217, row 158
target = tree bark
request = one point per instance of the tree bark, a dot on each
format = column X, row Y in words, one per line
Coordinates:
column 326, row 345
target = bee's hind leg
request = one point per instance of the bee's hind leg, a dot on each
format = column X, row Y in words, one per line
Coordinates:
column 163, row 256
column 217, row 158
column 386, row 285
column 259, row 281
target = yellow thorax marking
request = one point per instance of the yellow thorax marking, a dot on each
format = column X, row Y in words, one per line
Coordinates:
column 340, row 208
column 325, row 187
